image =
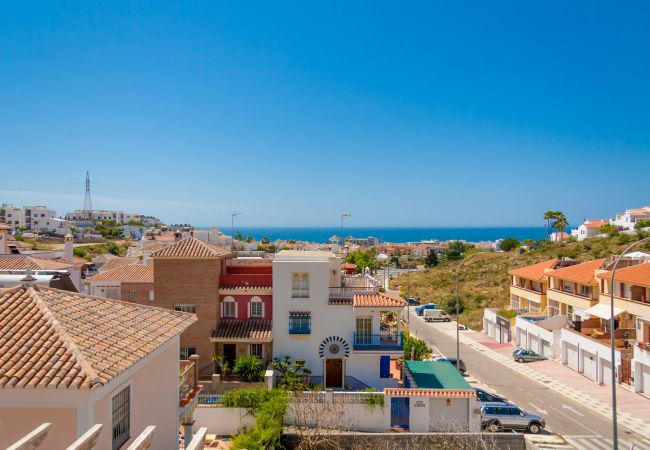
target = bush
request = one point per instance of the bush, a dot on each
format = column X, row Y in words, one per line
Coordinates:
column 270, row 407
column 373, row 400
column 449, row 304
column 507, row 313
column 421, row 349
column 642, row 224
column 509, row 244
column 79, row 251
column 249, row 367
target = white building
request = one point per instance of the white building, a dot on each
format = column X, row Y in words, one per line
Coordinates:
column 628, row 219
column 29, row 217
column 344, row 330
column 117, row 216
column 589, row 229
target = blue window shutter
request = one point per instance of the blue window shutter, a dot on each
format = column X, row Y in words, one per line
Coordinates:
column 384, row 366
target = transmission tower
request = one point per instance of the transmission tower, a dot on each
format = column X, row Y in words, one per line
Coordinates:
column 88, row 203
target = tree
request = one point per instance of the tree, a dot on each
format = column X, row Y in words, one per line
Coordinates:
column 248, row 367
column 239, row 236
column 609, row 229
column 455, row 250
column 509, row 244
column 560, row 221
column 421, row 349
column 266, row 240
column 641, row 224
column 432, row 259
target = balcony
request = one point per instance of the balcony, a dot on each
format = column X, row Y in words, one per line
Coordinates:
column 188, row 386
column 387, row 341
column 354, row 285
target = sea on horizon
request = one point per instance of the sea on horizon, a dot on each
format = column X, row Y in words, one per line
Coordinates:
column 389, row 234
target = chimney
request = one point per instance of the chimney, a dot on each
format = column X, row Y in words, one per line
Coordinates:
column 4, row 230
column 69, row 248
column 29, row 280
column 177, row 235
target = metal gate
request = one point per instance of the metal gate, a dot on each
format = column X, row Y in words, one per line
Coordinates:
column 589, row 365
column 399, row 412
column 503, row 330
column 572, row 356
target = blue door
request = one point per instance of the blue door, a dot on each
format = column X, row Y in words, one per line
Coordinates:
column 384, row 366
column 399, row 412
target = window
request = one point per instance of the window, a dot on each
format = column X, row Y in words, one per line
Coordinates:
column 256, row 308
column 364, row 330
column 133, row 296
column 299, row 323
column 567, row 287
column 514, row 302
column 229, row 308
column 256, row 349
column 186, row 352
column 553, row 308
column 151, row 296
column 121, row 417
column 185, row 308
column 300, row 285
column 534, row 306
column 585, row 290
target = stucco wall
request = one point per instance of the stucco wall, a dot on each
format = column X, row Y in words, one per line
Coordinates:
column 222, row 421
column 154, row 401
column 16, row 422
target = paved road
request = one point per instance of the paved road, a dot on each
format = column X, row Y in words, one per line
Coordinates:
column 581, row 427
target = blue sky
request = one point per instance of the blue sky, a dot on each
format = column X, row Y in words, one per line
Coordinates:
column 404, row 114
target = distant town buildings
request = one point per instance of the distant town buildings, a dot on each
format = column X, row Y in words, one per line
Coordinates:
column 117, row 216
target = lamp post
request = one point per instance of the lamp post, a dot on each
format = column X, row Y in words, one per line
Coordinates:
column 613, row 349
column 232, row 226
column 458, row 309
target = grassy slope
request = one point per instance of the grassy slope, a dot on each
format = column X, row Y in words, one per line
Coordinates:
column 484, row 280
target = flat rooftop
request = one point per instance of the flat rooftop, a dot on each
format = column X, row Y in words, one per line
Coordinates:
column 436, row 375
column 297, row 255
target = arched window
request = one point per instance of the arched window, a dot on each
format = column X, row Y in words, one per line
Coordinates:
column 229, row 308
column 300, row 285
column 256, row 308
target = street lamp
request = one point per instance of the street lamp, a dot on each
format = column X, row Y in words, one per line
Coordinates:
column 458, row 309
column 232, row 226
column 611, row 330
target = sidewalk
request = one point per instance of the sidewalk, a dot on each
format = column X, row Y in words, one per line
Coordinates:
column 633, row 409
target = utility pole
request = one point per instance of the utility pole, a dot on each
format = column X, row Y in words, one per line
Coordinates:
column 88, row 204
column 232, row 226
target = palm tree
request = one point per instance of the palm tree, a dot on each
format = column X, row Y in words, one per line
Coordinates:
column 548, row 216
column 560, row 222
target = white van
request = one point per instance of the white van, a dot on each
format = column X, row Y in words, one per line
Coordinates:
column 436, row 314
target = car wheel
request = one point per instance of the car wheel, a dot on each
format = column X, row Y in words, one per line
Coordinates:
column 520, row 360
column 494, row 426
column 447, row 320
column 534, row 428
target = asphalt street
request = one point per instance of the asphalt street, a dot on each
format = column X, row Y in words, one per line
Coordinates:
column 580, row 427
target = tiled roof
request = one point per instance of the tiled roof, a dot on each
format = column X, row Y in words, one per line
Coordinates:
column 154, row 247
column 445, row 393
column 77, row 261
column 638, row 274
column 192, row 248
column 114, row 263
column 103, row 258
column 52, row 338
column 255, row 330
column 596, row 223
column 379, row 299
column 536, row 271
column 132, row 273
column 339, row 301
column 580, row 273
column 20, row 262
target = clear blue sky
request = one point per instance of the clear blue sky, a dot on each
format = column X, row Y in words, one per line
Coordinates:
column 404, row 114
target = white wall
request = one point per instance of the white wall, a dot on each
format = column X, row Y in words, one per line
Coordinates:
column 222, row 421
column 601, row 352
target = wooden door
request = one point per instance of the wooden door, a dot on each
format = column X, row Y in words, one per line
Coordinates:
column 334, row 373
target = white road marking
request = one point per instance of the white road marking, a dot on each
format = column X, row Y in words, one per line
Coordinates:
column 572, row 410
column 537, row 408
column 576, row 421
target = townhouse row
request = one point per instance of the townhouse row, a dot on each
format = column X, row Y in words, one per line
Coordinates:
column 564, row 312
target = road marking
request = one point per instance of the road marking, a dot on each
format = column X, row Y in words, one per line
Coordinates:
column 572, row 410
column 571, row 418
column 537, row 408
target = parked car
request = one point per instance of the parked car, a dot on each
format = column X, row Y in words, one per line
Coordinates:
column 461, row 365
column 412, row 301
column 436, row 314
column 485, row 396
column 499, row 416
column 420, row 310
column 521, row 355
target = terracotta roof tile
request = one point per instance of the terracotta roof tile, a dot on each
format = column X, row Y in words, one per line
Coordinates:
column 638, row 274
column 116, row 262
column 192, row 248
column 242, row 330
column 581, row 273
column 22, row 262
column 53, row 338
column 380, row 299
column 447, row 393
column 132, row 273
column 595, row 223
column 535, row 271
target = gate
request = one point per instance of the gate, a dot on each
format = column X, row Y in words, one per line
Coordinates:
column 503, row 333
column 399, row 412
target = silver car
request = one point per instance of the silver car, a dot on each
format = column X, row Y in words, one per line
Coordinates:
column 497, row 416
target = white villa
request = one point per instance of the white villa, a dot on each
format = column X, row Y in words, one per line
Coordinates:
column 344, row 330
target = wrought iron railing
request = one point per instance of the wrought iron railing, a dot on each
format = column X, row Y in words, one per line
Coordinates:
column 384, row 341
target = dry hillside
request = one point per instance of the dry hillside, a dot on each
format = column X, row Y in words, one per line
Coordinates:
column 484, row 281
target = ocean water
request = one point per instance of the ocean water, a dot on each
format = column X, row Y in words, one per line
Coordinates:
column 406, row 234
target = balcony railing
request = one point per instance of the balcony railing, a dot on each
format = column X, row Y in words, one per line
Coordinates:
column 349, row 292
column 388, row 341
column 189, row 385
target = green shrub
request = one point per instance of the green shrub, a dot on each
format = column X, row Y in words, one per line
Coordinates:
column 270, row 407
column 421, row 349
column 373, row 400
column 249, row 367
column 79, row 251
column 507, row 313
